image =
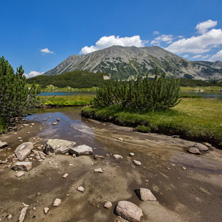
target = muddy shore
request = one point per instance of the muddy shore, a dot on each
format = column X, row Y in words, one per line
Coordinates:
column 187, row 187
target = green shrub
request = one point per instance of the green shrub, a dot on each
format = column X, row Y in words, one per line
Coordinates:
column 143, row 129
column 142, row 94
column 15, row 96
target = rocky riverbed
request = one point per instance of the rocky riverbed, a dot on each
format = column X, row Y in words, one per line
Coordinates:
column 122, row 175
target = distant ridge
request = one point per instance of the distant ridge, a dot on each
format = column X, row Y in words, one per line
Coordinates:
column 127, row 62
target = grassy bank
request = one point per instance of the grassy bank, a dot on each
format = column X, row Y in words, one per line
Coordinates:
column 199, row 88
column 77, row 100
column 69, row 89
column 2, row 125
column 196, row 118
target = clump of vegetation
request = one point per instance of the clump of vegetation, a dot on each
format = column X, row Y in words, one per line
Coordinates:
column 142, row 94
column 15, row 96
column 143, row 129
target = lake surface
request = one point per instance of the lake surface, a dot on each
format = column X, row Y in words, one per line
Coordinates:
column 65, row 93
column 205, row 94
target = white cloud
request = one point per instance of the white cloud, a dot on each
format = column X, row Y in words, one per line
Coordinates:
column 156, row 33
column 196, row 56
column 203, row 27
column 186, row 56
column 46, row 51
column 33, row 74
column 217, row 56
column 197, row 44
column 107, row 41
column 163, row 38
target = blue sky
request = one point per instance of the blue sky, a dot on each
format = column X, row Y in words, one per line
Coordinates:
column 40, row 34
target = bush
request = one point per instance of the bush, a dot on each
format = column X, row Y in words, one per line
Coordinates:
column 142, row 94
column 15, row 96
column 143, row 129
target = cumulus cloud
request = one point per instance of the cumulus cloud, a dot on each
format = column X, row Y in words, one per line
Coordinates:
column 203, row 27
column 33, row 74
column 197, row 44
column 186, row 56
column 196, row 56
column 46, row 51
column 107, row 41
column 217, row 56
column 163, row 38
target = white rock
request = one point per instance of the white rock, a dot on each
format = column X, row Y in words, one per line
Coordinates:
column 9, row 217
column 99, row 170
column 131, row 154
column 145, row 194
column 22, row 166
column 65, row 175
column 108, row 205
column 55, row 123
column 137, row 163
column 20, row 174
column 3, row 144
column 56, row 202
column 129, row 211
column 201, row 147
column 81, row 189
column 118, row 157
column 23, row 212
column 81, row 150
column 23, row 150
column 46, row 210
column 58, row 146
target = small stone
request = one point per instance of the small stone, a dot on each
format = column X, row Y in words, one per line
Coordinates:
column 201, row 147
column 131, row 154
column 34, row 208
column 184, row 168
column 118, row 157
column 65, row 175
column 23, row 212
column 46, row 210
column 56, row 202
column 145, row 194
column 81, row 189
column 137, row 163
column 3, row 144
column 81, row 150
column 22, row 166
column 207, row 144
column 19, row 138
column 108, row 205
column 99, row 170
column 23, row 150
column 168, row 168
column 55, row 123
column 193, row 150
column 9, row 217
column 20, row 174
column 3, row 161
column 121, row 139
column 58, row 120
column 99, row 157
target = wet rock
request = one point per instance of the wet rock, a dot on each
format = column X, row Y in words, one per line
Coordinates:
column 20, row 174
column 118, row 157
column 81, row 189
column 129, row 211
column 193, row 150
column 145, row 194
column 201, row 147
column 81, row 150
column 3, row 144
column 58, row 120
column 46, row 210
column 23, row 150
column 56, row 202
column 22, row 166
column 108, row 205
column 99, row 157
column 58, row 146
column 137, row 163
column 55, row 123
column 44, row 119
column 23, row 212
column 99, row 170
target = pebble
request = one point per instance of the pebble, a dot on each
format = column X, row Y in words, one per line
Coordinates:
column 121, row 139
column 131, row 154
column 137, row 163
column 81, row 189
column 56, row 202
column 118, row 157
column 184, row 168
column 9, row 217
column 19, row 138
column 65, row 175
column 108, row 205
column 99, row 170
column 20, row 174
column 55, row 123
column 46, row 210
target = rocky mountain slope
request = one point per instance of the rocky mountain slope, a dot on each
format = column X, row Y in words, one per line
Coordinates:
column 127, row 62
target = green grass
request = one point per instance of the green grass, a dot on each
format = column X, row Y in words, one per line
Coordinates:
column 197, row 88
column 194, row 118
column 69, row 89
column 77, row 100
column 2, row 125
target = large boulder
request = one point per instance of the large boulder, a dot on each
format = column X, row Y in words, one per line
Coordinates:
column 58, row 146
column 23, row 150
column 81, row 150
column 145, row 194
column 129, row 211
column 201, row 147
column 3, row 144
column 22, row 166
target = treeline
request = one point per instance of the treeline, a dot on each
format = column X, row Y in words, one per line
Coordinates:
column 194, row 83
column 75, row 79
